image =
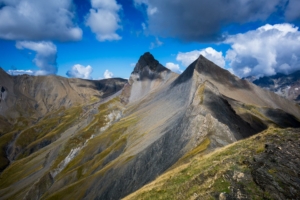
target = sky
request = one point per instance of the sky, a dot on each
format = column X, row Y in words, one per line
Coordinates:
column 96, row 39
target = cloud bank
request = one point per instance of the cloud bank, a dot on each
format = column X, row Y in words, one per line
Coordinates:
column 104, row 20
column 45, row 57
column 38, row 20
column 200, row 20
column 265, row 51
column 80, row 71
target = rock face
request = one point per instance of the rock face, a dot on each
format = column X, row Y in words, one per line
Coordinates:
column 287, row 86
column 110, row 147
column 276, row 170
column 147, row 76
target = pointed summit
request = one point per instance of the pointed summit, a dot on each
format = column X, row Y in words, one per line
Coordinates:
column 211, row 72
column 208, row 67
column 148, row 61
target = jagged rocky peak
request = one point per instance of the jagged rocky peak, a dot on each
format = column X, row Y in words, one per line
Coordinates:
column 147, row 61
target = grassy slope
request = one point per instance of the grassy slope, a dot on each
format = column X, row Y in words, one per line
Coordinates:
column 30, row 138
column 222, row 171
column 94, row 159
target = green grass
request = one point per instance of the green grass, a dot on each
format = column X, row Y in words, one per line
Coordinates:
column 19, row 170
column 7, row 137
column 47, row 130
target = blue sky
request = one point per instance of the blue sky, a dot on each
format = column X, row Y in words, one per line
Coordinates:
column 96, row 39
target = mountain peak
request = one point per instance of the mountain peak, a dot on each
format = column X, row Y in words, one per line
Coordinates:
column 210, row 70
column 147, row 60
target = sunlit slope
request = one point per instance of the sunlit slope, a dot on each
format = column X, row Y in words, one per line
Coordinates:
column 261, row 167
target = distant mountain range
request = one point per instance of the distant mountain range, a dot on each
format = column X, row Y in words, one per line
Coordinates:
column 287, row 86
column 80, row 139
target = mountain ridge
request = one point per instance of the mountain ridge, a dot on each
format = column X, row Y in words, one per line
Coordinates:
column 109, row 147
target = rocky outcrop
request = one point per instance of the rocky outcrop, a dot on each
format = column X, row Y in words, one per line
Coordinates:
column 147, row 76
column 265, row 166
column 276, row 170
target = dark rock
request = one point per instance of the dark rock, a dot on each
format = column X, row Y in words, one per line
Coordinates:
column 276, row 170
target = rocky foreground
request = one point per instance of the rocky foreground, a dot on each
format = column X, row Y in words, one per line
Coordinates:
column 265, row 166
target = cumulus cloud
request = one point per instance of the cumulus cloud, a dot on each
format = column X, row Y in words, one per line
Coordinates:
column 104, row 20
column 45, row 57
column 265, row 51
column 80, row 71
column 173, row 67
column 200, row 20
column 108, row 74
column 214, row 56
column 38, row 20
column 188, row 57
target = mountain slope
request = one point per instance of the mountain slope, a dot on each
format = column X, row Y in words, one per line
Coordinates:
column 261, row 167
column 109, row 148
column 34, row 111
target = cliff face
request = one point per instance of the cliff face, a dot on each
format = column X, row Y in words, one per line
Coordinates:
column 112, row 145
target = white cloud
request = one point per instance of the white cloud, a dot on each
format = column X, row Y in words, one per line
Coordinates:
column 265, row 51
column 173, row 67
column 20, row 72
column 155, row 44
column 38, row 20
column 132, row 64
column 80, row 71
column 45, row 57
column 107, row 74
column 214, row 56
column 144, row 26
column 104, row 20
column 189, row 57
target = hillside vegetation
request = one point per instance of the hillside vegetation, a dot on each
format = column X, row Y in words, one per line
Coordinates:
column 265, row 166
